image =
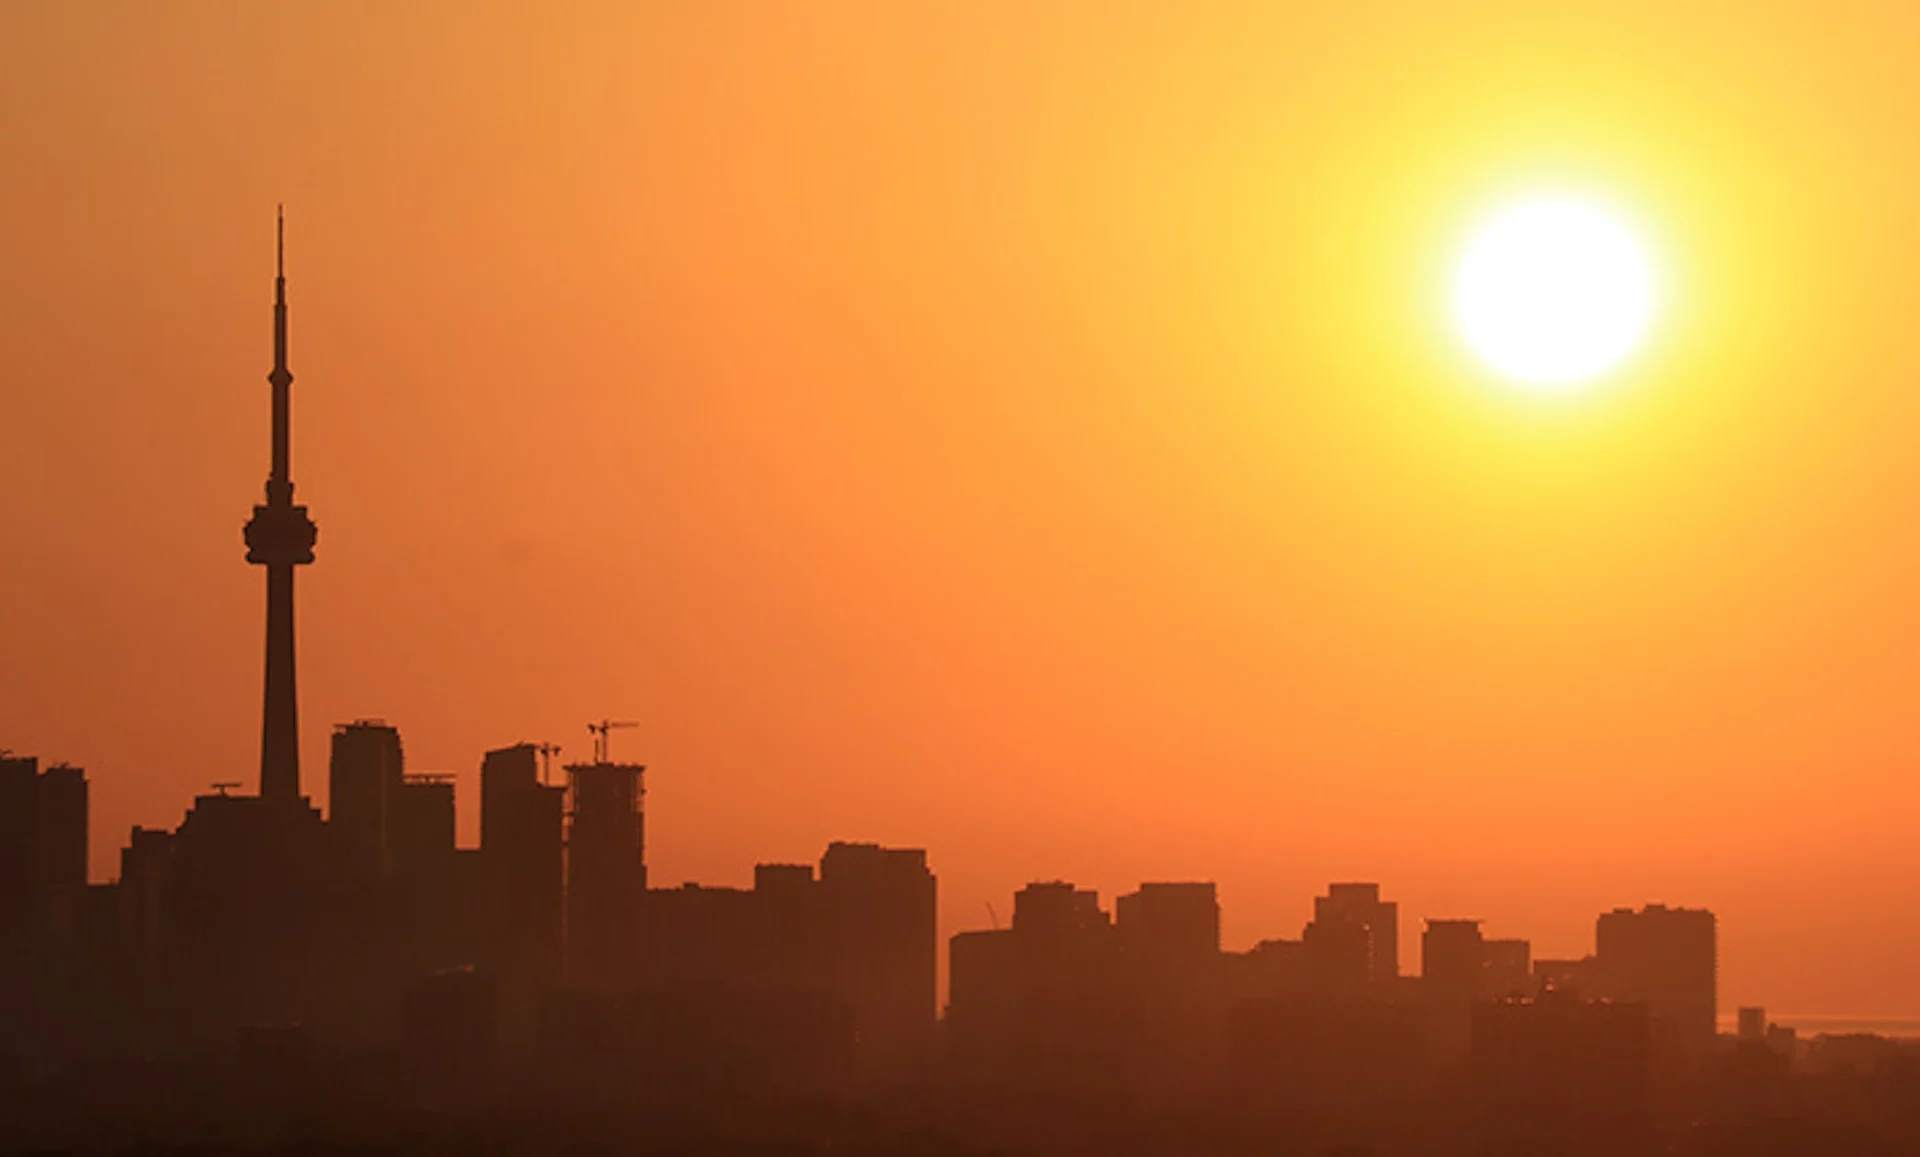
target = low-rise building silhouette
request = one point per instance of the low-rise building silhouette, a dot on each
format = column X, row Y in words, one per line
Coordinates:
column 1562, row 1075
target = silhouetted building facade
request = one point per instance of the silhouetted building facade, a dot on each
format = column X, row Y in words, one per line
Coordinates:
column 43, row 850
column 1452, row 960
column 19, row 848
column 1339, row 957
column 801, row 982
column 1579, row 977
column 879, row 909
column 450, row 1033
column 1042, row 1004
column 146, row 888
column 523, row 881
column 1169, row 939
column 1507, row 969
column 43, row 890
column 1307, row 1053
column 1361, row 904
column 606, row 874
column 249, row 913
column 365, row 771
column 1668, row 959
column 1561, row 1075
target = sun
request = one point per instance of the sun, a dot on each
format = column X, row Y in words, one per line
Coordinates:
column 1552, row 292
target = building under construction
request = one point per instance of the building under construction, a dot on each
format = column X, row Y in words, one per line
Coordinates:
column 606, row 874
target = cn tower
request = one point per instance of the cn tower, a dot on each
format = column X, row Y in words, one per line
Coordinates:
column 280, row 537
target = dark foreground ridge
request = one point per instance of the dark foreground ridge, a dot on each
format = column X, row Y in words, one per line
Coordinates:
column 263, row 978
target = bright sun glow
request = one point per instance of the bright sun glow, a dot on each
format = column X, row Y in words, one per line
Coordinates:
column 1553, row 292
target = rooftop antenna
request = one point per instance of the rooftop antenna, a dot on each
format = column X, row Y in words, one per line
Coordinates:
column 547, row 752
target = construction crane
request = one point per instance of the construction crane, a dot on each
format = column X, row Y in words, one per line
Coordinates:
column 602, row 741
column 547, row 752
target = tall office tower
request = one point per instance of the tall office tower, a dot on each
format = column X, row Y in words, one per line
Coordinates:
column 433, row 893
column 523, row 870
column 43, row 852
column 19, row 857
column 1361, row 904
column 606, row 873
column 60, row 844
column 1075, row 1000
column 1168, row 936
column 985, row 1031
column 1667, row 958
column 879, row 906
column 280, row 536
column 364, row 772
column 1452, row 960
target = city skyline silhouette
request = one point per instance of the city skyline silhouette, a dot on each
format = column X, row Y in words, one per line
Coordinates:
column 279, row 545
column 371, row 941
column 799, row 484
column 1333, row 593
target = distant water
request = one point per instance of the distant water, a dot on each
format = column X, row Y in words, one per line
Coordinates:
column 1813, row 1024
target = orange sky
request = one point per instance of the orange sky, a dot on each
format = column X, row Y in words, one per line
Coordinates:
column 1023, row 430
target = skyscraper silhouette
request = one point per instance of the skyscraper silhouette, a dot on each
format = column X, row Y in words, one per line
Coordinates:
column 1667, row 958
column 280, row 537
column 365, row 773
column 1361, row 904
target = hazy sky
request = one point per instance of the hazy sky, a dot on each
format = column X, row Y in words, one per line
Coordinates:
column 1026, row 430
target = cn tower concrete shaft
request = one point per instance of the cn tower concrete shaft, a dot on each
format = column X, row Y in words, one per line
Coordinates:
column 280, row 536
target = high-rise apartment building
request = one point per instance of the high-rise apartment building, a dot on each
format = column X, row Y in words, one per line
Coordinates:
column 365, row 770
column 43, row 852
column 523, row 870
column 1452, row 960
column 1361, row 904
column 879, row 905
column 606, row 873
column 1668, row 959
